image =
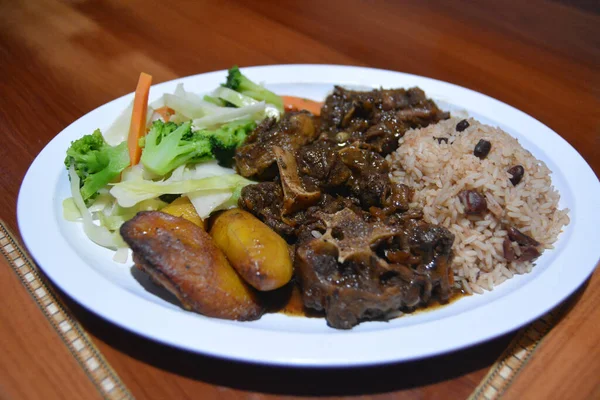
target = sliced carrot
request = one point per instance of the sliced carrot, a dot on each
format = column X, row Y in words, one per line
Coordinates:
column 137, row 129
column 293, row 103
column 165, row 112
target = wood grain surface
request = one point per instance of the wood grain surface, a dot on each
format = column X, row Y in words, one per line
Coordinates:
column 557, row 369
column 31, row 352
column 60, row 59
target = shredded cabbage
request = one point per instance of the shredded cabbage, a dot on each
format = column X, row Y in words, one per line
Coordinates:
column 235, row 98
column 101, row 202
column 129, row 193
column 222, row 115
column 208, row 185
column 121, row 255
column 186, row 105
column 206, row 202
column 98, row 234
column 181, row 92
column 198, row 171
column 240, row 100
column 70, row 210
column 188, row 108
column 115, row 216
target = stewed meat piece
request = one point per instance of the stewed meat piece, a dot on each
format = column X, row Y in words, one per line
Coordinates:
column 376, row 118
column 256, row 158
column 343, row 272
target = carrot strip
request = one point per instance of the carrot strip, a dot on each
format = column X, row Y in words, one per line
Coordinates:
column 165, row 112
column 137, row 129
column 293, row 103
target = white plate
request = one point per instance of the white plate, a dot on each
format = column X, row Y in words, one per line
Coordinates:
column 87, row 273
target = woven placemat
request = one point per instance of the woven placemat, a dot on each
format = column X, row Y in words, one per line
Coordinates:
column 108, row 383
column 516, row 356
column 89, row 358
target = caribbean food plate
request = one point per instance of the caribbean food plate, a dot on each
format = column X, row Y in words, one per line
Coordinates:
column 426, row 237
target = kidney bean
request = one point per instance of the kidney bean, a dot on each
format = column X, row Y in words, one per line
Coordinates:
column 517, row 174
column 462, row 125
column 473, row 202
column 528, row 253
column 509, row 252
column 482, row 149
column 517, row 236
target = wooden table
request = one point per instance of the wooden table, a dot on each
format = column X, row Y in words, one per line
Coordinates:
column 61, row 59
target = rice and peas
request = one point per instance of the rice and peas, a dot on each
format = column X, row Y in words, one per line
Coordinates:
column 438, row 162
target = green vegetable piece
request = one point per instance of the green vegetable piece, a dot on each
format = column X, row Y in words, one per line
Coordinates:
column 214, row 100
column 240, row 83
column 169, row 145
column 96, row 162
column 227, row 138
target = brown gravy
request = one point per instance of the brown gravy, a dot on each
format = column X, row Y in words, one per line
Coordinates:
column 288, row 300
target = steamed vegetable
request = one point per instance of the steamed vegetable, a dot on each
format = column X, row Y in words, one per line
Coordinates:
column 223, row 115
column 129, row 193
column 205, row 202
column 231, row 98
column 137, row 128
column 168, row 145
column 205, row 199
column 240, row 83
column 227, row 138
column 98, row 234
column 96, row 163
column 187, row 105
column 165, row 113
column 113, row 216
column 235, row 99
column 207, row 112
column 215, row 100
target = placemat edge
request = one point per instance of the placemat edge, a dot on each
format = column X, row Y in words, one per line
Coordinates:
column 516, row 356
column 87, row 355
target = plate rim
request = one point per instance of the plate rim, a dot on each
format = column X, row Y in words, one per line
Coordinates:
column 321, row 354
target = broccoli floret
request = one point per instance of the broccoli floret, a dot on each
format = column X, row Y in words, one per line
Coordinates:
column 96, row 162
column 240, row 83
column 169, row 145
column 227, row 138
